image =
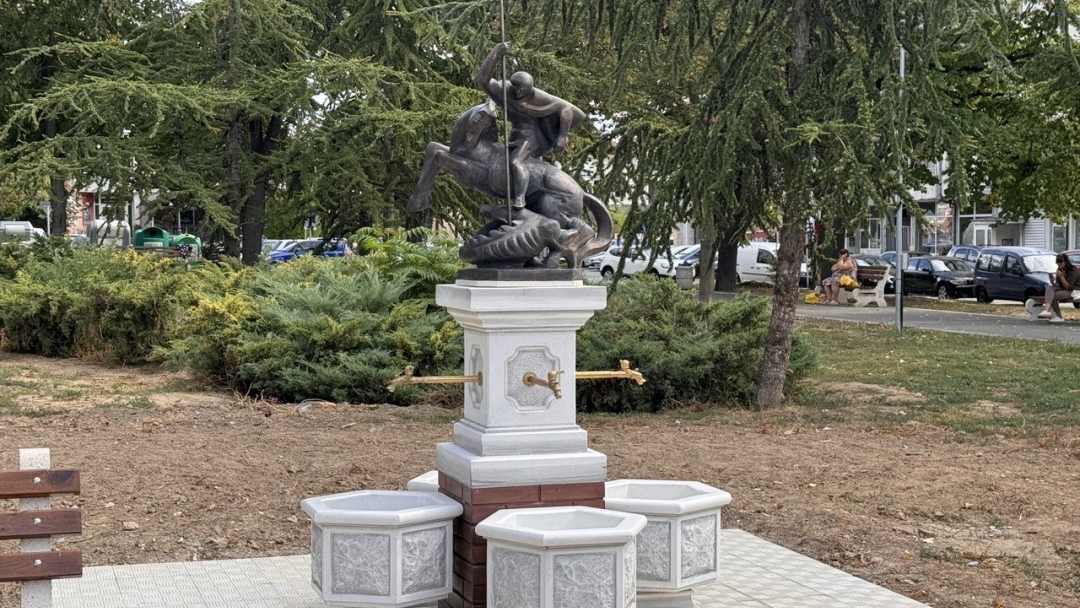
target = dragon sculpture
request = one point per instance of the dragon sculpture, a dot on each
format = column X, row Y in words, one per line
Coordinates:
column 542, row 227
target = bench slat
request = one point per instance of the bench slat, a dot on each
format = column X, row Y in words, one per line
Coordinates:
column 16, row 567
column 21, row 484
column 52, row 521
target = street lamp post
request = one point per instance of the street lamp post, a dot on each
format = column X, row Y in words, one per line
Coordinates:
column 900, row 226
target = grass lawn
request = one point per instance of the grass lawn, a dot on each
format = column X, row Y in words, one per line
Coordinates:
column 972, row 384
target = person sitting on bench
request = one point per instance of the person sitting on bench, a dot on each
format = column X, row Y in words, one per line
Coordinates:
column 1060, row 288
column 845, row 266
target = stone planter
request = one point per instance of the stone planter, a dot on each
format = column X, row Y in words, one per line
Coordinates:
column 428, row 482
column 680, row 544
column 561, row 556
column 375, row 548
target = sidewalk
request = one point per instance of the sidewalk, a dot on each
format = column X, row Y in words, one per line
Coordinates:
column 944, row 320
column 754, row 574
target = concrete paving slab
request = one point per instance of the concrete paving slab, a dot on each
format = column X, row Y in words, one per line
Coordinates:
column 754, row 574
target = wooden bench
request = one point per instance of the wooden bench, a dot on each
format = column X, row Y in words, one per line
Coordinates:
column 872, row 281
column 35, row 523
column 1033, row 305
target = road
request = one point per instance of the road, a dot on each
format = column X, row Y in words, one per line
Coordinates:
column 938, row 320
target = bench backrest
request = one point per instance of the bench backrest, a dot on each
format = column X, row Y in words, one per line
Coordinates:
column 39, row 523
column 872, row 273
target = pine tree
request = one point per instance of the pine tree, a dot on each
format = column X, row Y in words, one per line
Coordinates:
column 726, row 109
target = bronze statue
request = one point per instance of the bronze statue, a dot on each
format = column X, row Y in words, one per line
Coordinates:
column 544, row 218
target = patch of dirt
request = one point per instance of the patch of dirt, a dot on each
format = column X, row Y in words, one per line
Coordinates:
column 987, row 522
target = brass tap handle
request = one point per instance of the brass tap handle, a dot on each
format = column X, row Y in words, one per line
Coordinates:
column 552, row 382
column 632, row 374
column 408, row 378
column 402, row 380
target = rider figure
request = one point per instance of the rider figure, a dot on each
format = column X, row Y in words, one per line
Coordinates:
column 541, row 121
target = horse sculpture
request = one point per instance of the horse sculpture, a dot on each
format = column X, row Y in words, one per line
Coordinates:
column 514, row 238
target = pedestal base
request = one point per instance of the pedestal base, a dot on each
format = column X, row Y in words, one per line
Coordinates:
column 470, row 549
column 511, row 470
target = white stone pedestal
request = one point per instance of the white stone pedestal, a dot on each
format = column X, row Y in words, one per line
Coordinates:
column 511, row 433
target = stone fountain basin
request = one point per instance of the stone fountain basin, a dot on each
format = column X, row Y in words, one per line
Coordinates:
column 680, row 545
column 662, row 497
column 561, row 527
column 381, row 548
column 380, row 508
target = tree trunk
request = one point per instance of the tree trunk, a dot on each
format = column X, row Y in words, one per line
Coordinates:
column 727, row 270
column 774, row 361
column 706, row 271
column 234, row 189
column 58, row 195
column 253, row 213
column 57, row 189
column 777, row 355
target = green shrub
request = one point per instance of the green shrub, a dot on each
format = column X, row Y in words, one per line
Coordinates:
column 316, row 328
column 94, row 303
column 687, row 350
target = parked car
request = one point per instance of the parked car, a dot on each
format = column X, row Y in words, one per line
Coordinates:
column 969, row 253
column 1013, row 273
column 890, row 256
column 941, row 276
column 334, row 248
column 663, row 266
column 755, row 262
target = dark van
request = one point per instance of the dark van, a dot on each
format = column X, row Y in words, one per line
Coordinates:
column 1012, row 273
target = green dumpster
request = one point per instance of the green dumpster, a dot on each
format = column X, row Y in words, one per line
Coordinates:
column 188, row 246
column 151, row 237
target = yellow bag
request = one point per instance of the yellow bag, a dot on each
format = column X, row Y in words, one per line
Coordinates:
column 812, row 298
column 848, row 282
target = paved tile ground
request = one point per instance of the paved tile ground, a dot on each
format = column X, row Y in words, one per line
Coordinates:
column 755, row 574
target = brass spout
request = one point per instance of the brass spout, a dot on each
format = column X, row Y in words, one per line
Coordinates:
column 552, row 382
column 407, row 378
column 624, row 371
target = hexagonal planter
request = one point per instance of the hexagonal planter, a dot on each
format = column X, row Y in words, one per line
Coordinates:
column 556, row 557
column 427, row 482
column 376, row 548
column 680, row 545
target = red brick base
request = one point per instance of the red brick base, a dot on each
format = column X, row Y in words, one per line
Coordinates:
column 470, row 550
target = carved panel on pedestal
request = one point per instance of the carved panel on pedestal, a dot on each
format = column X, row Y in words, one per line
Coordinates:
column 584, row 580
column 476, row 365
column 516, row 576
column 698, row 545
column 538, row 360
column 630, row 572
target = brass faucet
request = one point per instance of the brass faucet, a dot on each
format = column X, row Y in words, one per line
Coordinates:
column 552, row 382
column 407, row 378
column 624, row 371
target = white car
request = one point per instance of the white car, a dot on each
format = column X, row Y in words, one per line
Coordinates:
column 663, row 266
column 755, row 262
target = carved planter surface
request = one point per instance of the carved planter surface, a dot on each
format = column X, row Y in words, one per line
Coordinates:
column 381, row 548
column 561, row 557
column 680, row 545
